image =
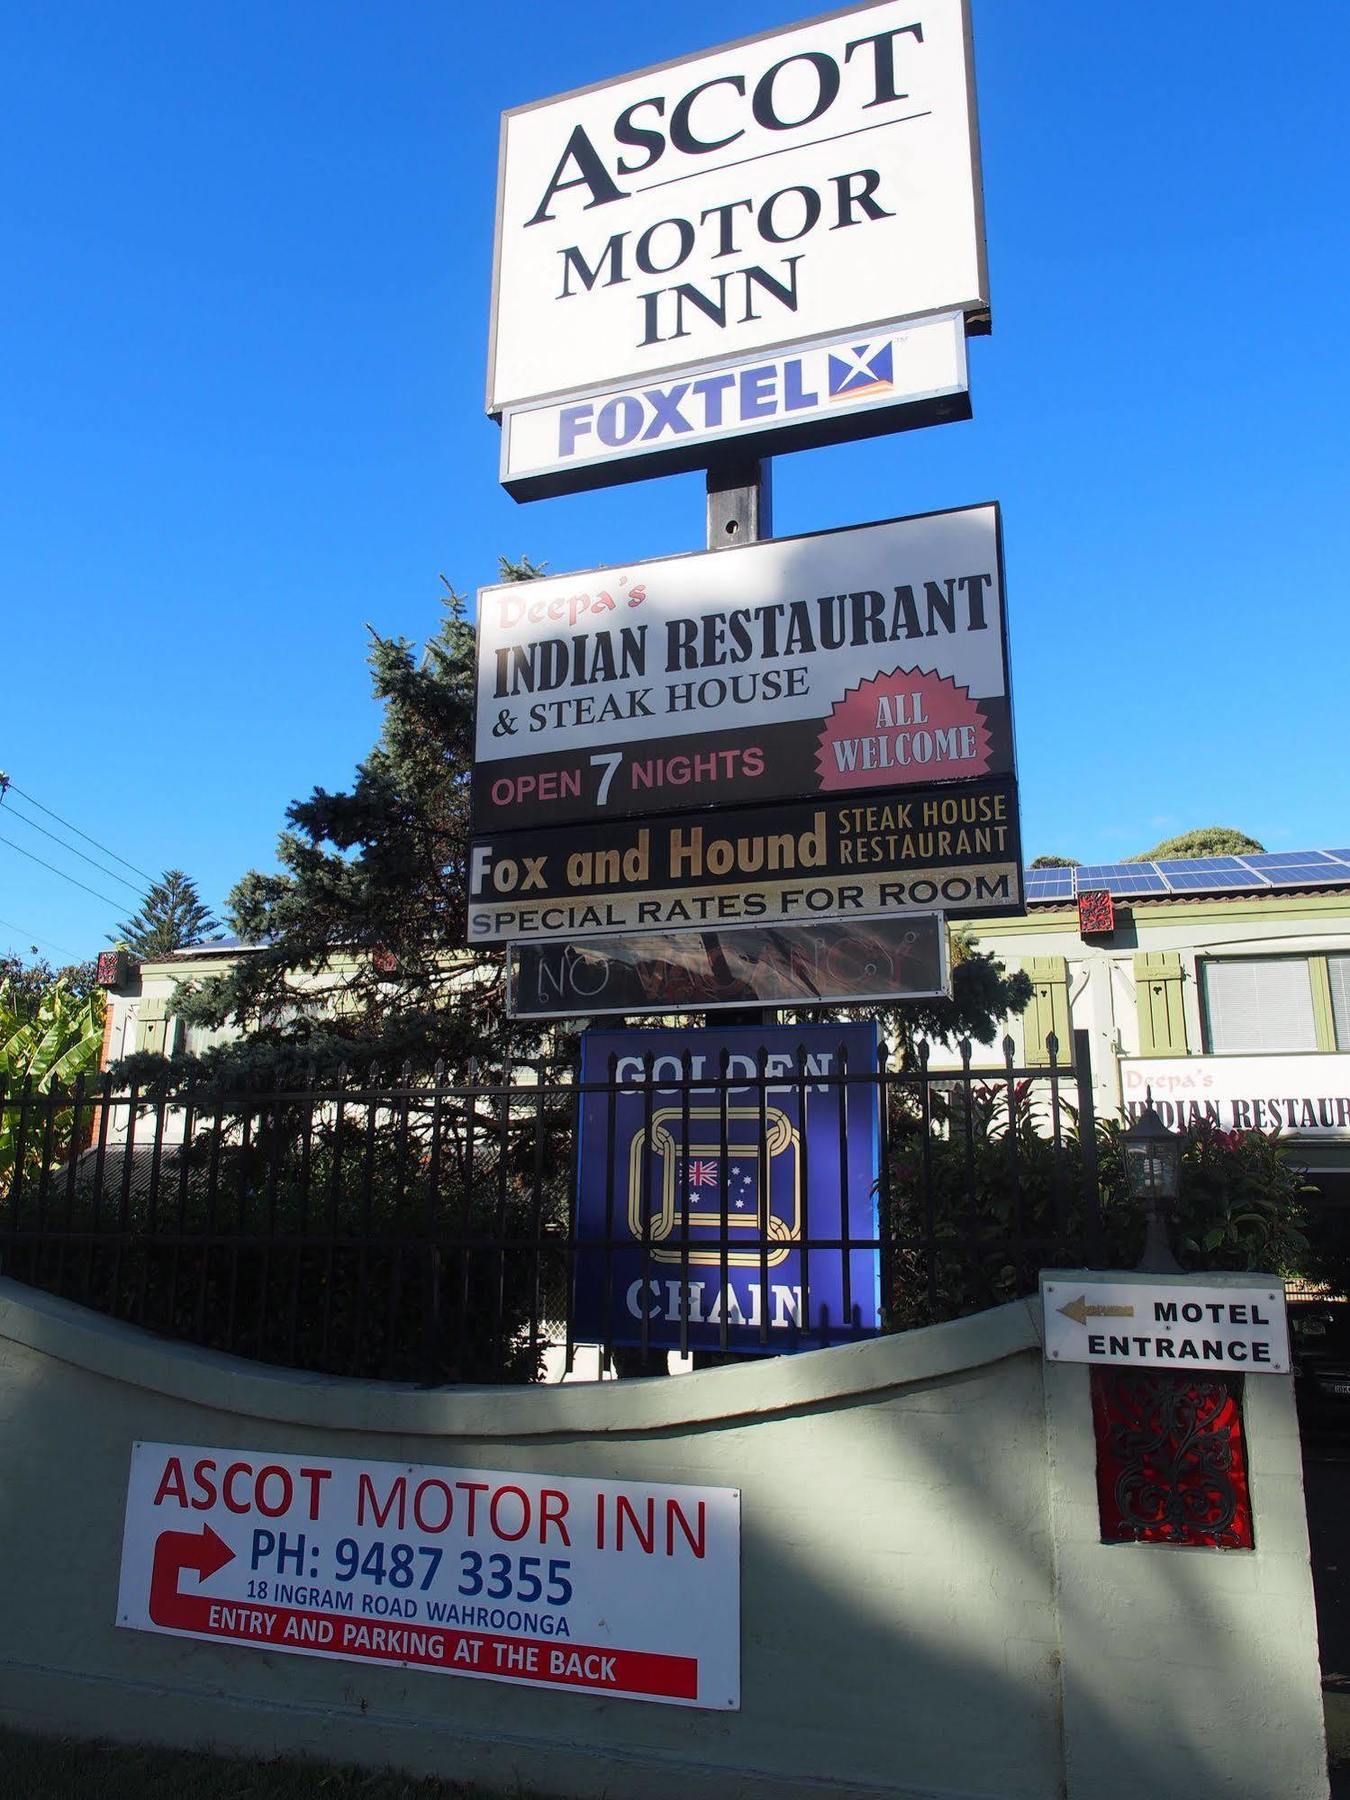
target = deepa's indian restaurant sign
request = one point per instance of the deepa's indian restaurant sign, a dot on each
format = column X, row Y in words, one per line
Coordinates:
column 777, row 238
column 857, row 660
column 802, row 729
column 1300, row 1095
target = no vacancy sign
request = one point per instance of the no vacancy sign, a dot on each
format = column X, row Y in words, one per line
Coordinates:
column 618, row 1588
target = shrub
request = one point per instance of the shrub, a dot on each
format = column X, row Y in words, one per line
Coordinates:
column 1008, row 1198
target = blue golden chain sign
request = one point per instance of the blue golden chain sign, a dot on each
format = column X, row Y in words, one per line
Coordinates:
column 728, row 1212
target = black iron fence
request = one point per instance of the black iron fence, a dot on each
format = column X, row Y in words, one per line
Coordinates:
column 430, row 1229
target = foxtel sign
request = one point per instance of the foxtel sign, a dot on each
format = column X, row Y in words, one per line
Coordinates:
column 665, row 239
column 817, row 394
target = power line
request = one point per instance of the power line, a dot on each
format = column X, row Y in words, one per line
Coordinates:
column 6, row 782
column 61, row 872
column 33, row 938
column 72, row 851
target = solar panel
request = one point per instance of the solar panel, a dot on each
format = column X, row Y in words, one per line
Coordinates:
column 1196, row 875
column 1144, row 881
column 1092, row 875
column 1049, row 884
column 1122, row 878
column 1195, row 863
column 1283, row 859
column 1208, row 881
column 1308, row 875
column 1305, row 870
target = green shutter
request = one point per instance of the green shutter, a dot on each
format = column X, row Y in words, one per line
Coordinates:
column 1324, row 1016
column 1048, row 1011
column 150, row 1026
column 1157, row 997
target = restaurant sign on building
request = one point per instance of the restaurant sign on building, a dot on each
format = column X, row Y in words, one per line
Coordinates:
column 1300, row 1096
column 732, row 243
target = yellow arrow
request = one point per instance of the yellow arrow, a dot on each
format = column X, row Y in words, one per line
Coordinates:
column 1080, row 1312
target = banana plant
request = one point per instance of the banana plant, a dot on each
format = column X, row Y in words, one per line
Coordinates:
column 49, row 1049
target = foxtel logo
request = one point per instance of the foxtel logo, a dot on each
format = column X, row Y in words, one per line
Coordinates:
column 861, row 369
column 709, row 403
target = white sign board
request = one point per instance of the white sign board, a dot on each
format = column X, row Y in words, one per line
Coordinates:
column 1166, row 1324
column 862, row 660
column 619, row 1588
column 1302, row 1096
column 813, row 394
column 813, row 187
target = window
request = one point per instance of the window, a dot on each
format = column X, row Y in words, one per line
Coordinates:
column 1258, row 1003
column 1338, row 975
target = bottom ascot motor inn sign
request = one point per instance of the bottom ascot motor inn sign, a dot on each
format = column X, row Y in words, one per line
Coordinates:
column 604, row 1587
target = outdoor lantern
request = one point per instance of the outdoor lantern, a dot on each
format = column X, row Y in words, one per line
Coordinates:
column 1153, row 1170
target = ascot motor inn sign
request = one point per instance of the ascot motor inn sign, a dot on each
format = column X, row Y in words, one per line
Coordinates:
column 778, row 236
column 626, row 1589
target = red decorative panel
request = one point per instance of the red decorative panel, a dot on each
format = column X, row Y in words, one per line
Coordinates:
column 1171, row 1460
column 1096, row 913
column 112, row 968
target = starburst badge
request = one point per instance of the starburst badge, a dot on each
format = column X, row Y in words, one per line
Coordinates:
column 910, row 725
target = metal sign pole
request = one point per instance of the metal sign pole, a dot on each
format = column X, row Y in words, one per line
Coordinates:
column 740, row 511
column 740, row 502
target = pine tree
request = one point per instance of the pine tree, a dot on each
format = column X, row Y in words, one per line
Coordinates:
column 171, row 917
column 370, row 902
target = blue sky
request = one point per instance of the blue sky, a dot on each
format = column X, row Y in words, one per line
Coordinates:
column 243, row 328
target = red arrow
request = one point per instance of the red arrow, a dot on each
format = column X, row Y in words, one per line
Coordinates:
column 205, row 1551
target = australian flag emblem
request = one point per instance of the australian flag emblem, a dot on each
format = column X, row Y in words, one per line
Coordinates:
column 864, row 367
